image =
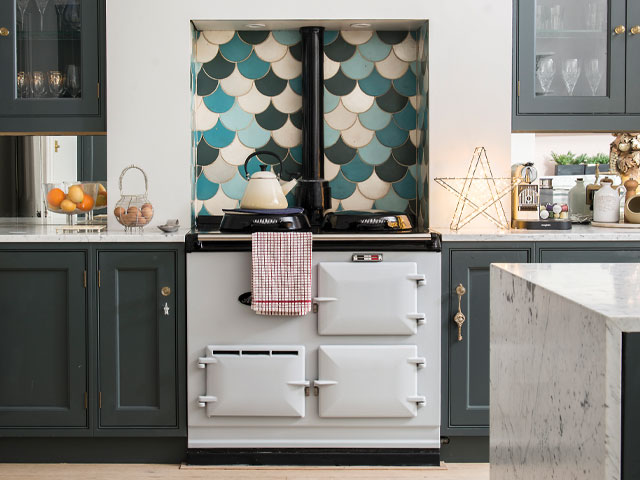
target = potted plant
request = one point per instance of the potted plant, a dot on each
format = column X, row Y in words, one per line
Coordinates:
column 601, row 159
column 569, row 163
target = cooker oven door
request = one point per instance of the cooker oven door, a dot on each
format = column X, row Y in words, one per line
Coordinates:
column 250, row 380
column 368, row 381
column 368, row 298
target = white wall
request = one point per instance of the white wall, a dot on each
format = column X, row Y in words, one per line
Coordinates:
column 148, row 108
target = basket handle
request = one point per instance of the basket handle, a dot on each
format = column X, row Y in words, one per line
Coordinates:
column 146, row 181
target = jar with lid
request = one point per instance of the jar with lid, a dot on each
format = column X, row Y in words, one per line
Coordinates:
column 578, row 208
column 606, row 202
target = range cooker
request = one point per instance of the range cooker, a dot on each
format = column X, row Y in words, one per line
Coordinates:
column 357, row 381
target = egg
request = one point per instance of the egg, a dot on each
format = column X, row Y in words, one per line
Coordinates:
column 132, row 210
column 147, row 211
column 118, row 212
column 142, row 221
column 130, row 219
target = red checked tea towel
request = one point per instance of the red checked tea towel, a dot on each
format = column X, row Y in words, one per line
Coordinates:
column 281, row 273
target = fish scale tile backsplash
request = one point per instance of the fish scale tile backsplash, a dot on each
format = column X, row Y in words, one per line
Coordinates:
column 247, row 96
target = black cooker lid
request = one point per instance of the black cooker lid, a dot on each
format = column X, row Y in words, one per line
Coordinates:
column 367, row 221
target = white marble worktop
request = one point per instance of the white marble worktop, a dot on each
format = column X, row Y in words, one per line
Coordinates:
column 556, row 345
column 579, row 233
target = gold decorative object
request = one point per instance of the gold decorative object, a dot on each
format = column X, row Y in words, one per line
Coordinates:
column 478, row 192
column 459, row 317
column 624, row 156
column 620, row 29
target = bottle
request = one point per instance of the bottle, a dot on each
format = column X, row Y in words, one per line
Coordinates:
column 606, row 203
column 578, row 201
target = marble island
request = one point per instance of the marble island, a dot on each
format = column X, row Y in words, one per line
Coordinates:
column 560, row 335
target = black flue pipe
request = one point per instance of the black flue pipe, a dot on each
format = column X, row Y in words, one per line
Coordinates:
column 313, row 192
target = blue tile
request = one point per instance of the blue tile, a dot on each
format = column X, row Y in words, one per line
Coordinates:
column 406, row 118
column 392, row 135
column 391, row 202
column 219, row 136
column 331, row 136
column 406, row 188
column 254, row 136
column 296, row 84
column 375, row 49
column 234, row 188
column 296, row 154
column 357, row 67
column 236, row 118
column 374, row 153
column 330, row 101
column 205, row 189
column 287, row 37
column 406, row 84
column 235, row 50
column 375, row 118
column 203, row 211
column 341, row 188
column 330, row 36
column 218, row 101
column 356, row 170
column 253, row 67
column 375, row 84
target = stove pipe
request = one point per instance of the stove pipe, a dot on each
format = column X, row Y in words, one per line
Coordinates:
column 313, row 192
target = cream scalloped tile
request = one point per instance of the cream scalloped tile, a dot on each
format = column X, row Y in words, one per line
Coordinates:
column 373, row 187
column 253, row 101
column 414, row 102
column 357, row 201
column 204, row 118
column 335, row 204
column 220, row 171
column 340, row 118
column 288, row 101
column 219, row 201
column 287, row 67
column 270, row 50
column 415, row 136
column 330, row 67
column 287, row 136
column 236, row 152
column 392, row 67
column 205, row 50
column 331, row 170
column 356, row 37
column 425, row 80
column 357, row 101
column 218, row 37
column 236, row 84
column 357, row 135
column 406, row 50
column 197, row 205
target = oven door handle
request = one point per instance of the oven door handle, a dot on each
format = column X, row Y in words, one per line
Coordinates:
column 299, row 383
column 420, row 400
column 203, row 361
column 204, row 399
column 324, row 299
column 419, row 278
column 420, row 362
column 324, row 383
column 420, row 318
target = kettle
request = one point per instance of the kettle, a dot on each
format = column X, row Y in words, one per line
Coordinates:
column 263, row 191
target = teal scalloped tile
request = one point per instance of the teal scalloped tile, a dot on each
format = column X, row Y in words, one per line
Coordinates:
column 357, row 67
column 330, row 101
column 374, row 153
column 219, row 67
column 219, row 101
column 339, row 50
column 254, row 136
column 235, row 50
column 375, row 84
column 271, row 85
column 341, row 188
column 296, row 51
column 331, row 136
column 340, row 84
column 296, row 153
column 253, row 166
column 405, row 154
column 406, row 188
column 287, row 37
column 406, row 84
column 205, row 155
column 375, row 49
column 392, row 37
column 391, row 202
column 392, row 101
column 375, row 118
column 235, row 118
column 330, row 36
column 219, row 136
column 356, row 170
column 296, row 84
column 272, row 146
column 271, row 118
column 291, row 169
column 234, row 188
column 340, row 153
column 253, row 37
column 391, row 171
column 205, row 85
column 253, row 67
column 392, row 135
column 205, row 189
column 203, row 211
column 406, row 118
column 296, row 119
column 414, row 67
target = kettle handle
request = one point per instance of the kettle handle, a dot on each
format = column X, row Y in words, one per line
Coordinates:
column 260, row 152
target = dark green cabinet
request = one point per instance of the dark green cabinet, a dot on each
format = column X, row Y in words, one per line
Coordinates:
column 601, row 252
column 53, row 75
column 43, row 344
column 138, row 331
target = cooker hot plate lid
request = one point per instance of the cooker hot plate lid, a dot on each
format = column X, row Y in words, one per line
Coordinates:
column 367, row 221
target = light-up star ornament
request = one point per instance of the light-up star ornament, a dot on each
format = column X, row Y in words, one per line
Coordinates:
column 478, row 192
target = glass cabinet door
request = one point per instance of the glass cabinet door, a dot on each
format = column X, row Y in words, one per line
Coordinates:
column 52, row 46
column 571, row 56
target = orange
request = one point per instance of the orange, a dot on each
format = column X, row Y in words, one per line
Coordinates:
column 55, row 197
column 86, row 204
column 67, row 205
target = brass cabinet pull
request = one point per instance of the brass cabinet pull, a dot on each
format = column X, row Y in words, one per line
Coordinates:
column 4, row 32
column 459, row 317
column 619, row 30
column 635, row 30
column 166, row 291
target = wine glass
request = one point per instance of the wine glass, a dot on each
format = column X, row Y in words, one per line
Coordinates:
column 55, row 82
column 545, row 72
column 38, row 84
column 22, row 7
column 21, row 84
column 42, row 7
column 594, row 74
column 72, row 81
column 59, row 5
column 570, row 74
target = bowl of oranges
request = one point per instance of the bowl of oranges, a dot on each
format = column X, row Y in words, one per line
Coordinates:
column 71, row 198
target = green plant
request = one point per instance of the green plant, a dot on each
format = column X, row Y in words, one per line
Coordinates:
column 571, row 158
column 599, row 158
column 568, row 158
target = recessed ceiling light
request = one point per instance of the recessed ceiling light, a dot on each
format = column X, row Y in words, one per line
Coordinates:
column 255, row 25
column 360, row 25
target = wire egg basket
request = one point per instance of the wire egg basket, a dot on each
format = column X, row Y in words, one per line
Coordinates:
column 134, row 212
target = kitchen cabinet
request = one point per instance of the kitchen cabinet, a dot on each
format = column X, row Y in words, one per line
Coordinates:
column 575, row 65
column 592, row 252
column 630, row 467
column 53, row 74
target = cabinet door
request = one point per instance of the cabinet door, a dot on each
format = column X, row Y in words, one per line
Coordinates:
column 469, row 358
column 570, row 58
column 137, row 343
column 42, row 339
column 586, row 254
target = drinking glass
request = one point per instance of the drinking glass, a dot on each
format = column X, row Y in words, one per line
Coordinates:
column 22, row 7
column 38, row 84
column 42, row 7
column 593, row 71
column 21, row 84
column 59, row 5
column 556, row 19
column 72, row 81
column 570, row 74
column 545, row 72
column 55, row 82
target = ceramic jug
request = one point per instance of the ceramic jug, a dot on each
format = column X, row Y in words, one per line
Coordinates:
column 606, row 202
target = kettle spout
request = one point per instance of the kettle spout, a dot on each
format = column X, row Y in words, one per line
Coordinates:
column 287, row 187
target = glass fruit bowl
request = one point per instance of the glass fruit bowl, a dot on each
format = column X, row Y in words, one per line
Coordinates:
column 71, row 198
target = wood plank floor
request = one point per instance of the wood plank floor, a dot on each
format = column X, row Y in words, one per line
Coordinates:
column 453, row 471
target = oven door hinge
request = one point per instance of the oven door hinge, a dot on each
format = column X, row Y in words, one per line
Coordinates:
column 419, row 278
column 420, row 318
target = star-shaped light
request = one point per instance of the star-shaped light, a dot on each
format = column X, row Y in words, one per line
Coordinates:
column 478, row 192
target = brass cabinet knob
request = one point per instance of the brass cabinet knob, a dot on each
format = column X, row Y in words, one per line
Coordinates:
column 166, row 291
column 459, row 317
column 4, row 32
column 635, row 30
column 619, row 30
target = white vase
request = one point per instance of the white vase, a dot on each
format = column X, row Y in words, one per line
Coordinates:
column 606, row 203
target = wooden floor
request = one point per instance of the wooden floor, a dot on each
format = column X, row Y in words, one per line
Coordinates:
column 455, row 471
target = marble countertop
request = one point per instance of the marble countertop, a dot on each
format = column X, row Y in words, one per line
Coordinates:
column 579, row 233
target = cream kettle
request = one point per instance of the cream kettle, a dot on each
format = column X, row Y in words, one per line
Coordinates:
column 263, row 190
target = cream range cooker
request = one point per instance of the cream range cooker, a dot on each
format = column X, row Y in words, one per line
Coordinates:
column 357, row 381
